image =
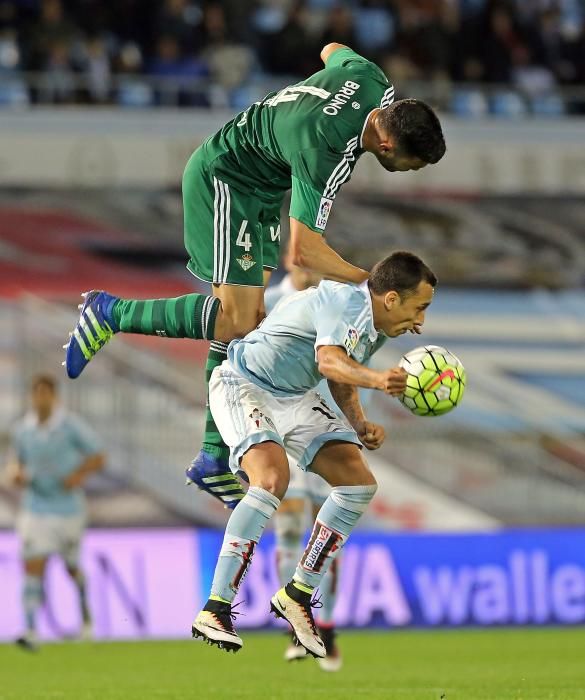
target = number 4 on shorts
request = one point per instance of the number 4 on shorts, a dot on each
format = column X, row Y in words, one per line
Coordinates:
column 243, row 238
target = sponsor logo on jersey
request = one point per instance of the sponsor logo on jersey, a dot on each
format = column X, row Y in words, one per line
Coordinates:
column 324, row 211
column 356, row 105
column 341, row 97
column 351, row 339
column 246, row 262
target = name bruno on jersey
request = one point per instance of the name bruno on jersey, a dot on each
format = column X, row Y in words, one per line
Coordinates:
column 342, row 97
column 292, row 92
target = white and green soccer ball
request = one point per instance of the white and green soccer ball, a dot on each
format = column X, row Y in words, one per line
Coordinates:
column 435, row 383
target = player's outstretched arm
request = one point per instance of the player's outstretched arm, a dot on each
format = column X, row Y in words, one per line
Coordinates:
column 328, row 49
column 309, row 250
column 371, row 435
column 336, row 365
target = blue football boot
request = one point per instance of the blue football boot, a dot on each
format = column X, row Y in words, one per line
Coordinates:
column 94, row 329
column 213, row 475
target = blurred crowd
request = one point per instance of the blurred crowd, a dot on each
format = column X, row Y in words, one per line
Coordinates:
column 157, row 51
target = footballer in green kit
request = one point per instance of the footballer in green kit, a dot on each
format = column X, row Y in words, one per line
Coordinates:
column 305, row 138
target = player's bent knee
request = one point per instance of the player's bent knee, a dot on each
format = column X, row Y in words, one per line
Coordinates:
column 275, row 483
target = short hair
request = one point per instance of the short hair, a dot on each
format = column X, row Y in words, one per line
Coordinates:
column 47, row 380
column 400, row 272
column 416, row 129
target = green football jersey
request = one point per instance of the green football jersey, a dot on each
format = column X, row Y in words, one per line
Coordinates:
column 306, row 137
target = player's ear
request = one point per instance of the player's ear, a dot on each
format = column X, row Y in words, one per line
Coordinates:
column 390, row 299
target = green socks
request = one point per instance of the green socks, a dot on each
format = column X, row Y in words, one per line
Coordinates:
column 212, row 442
column 189, row 316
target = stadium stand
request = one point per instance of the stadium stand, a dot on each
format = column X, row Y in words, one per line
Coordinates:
column 520, row 56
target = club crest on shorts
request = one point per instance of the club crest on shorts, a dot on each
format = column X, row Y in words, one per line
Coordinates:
column 257, row 417
column 246, row 262
column 351, row 339
column 324, row 211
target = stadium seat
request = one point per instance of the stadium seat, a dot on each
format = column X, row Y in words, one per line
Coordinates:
column 374, row 28
column 469, row 104
column 507, row 105
column 134, row 94
column 13, row 93
column 547, row 106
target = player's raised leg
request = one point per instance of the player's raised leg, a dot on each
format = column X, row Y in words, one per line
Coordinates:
column 341, row 465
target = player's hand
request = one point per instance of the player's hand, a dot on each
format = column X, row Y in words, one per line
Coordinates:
column 393, row 381
column 371, row 435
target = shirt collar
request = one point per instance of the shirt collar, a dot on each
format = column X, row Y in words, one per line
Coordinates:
column 31, row 420
column 365, row 290
column 364, row 126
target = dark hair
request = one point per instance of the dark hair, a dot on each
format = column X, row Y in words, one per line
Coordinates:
column 44, row 380
column 400, row 272
column 416, row 128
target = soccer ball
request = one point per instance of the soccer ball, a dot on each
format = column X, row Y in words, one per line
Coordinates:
column 435, row 383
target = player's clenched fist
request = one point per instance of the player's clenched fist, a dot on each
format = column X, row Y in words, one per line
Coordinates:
column 371, row 435
column 393, row 381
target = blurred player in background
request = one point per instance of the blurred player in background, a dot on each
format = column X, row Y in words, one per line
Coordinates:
column 264, row 400
column 306, row 137
column 54, row 452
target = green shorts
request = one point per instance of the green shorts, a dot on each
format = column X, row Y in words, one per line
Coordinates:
column 231, row 236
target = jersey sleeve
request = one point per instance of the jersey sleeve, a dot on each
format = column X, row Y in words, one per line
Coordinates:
column 83, row 437
column 350, row 60
column 338, row 312
column 317, row 176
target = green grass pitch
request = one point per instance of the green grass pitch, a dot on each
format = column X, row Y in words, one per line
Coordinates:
column 525, row 664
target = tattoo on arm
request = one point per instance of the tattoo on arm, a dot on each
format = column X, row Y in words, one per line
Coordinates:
column 347, row 398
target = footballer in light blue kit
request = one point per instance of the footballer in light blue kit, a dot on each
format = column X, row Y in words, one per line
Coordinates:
column 53, row 454
column 304, row 488
column 264, row 402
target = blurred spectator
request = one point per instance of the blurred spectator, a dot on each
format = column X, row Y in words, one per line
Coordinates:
column 58, row 80
column 230, row 62
column 9, row 52
column 339, row 27
column 375, row 27
column 292, row 50
column 426, row 36
column 500, row 45
column 181, row 20
column 51, row 38
column 529, row 45
column 96, row 67
column 169, row 62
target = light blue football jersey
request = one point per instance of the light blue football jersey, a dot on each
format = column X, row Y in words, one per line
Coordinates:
column 50, row 452
column 280, row 355
column 271, row 297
